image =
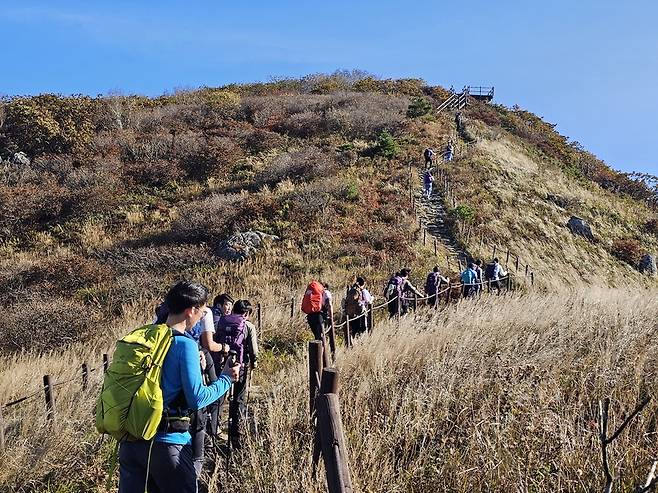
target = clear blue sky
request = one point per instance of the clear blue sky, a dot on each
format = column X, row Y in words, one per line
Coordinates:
column 589, row 66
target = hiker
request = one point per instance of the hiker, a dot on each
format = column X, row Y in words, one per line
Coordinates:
column 357, row 302
column 480, row 276
column 165, row 464
column 317, row 304
column 409, row 291
column 433, row 285
column 222, row 306
column 468, row 279
column 428, row 180
column 199, row 419
column 493, row 274
column 428, row 154
column 459, row 121
column 393, row 293
column 235, row 332
column 450, row 151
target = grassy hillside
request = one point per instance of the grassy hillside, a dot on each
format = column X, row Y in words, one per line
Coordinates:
column 124, row 194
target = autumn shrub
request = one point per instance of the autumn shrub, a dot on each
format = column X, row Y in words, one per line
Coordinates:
column 303, row 125
column 151, row 173
column 651, row 226
column 48, row 124
column 364, row 116
column 214, row 157
column 628, row 250
column 263, row 140
column 304, row 164
column 30, row 207
column 48, row 322
column 209, row 220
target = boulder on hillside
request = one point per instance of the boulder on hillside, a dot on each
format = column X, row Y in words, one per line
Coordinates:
column 579, row 226
column 20, row 158
column 242, row 245
column 648, row 265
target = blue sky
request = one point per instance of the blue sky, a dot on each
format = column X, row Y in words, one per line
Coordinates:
column 589, row 66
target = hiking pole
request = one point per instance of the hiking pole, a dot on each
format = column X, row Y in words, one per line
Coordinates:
column 231, row 361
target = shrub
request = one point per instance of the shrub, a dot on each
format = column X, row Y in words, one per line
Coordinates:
column 386, row 145
column 628, row 250
column 651, row 226
column 419, row 107
column 464, row 213
column 49, row 124
column 300, row 165
column 153, row 173
column 208, row 220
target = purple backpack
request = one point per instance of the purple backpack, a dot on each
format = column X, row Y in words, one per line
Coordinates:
column 232, row 330
column 432, row 283
column 394, row 288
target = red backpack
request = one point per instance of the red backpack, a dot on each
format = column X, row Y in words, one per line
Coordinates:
column 312, row 301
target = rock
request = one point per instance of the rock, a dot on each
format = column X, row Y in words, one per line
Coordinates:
column 242, row 245
column 579, row 226
column 20, row 158
column 648, row 265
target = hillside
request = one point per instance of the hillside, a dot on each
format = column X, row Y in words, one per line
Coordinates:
column 116, row 197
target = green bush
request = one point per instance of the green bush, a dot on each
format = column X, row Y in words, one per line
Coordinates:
column 386, row 145
column 464, row 213
column 419, row 107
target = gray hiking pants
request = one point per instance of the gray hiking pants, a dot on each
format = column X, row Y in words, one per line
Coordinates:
column 170, row 468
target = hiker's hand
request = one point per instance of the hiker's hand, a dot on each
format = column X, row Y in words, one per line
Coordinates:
column 202, row 359
column 232, row 371
column 254, row 364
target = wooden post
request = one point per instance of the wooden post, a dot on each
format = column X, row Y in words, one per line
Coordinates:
column 481, row 241
column 413, row 204
column 85, row 376
column 424, row 236
column 494, row 252
column 292, row 307
column 507, row 258
column 49, row 394
column 527, row 267
column 346, row 331
column 2, row 433
column 435, row 247
column 517, row 263
column 509, row 282
column 106, row 362
column 448, row 292
column 459, row 263
column 332, row 441
column 415, row 302
column 448, row 260
column 259, row 314
column 329, row 383
column 371, row 318
column 532, row 278
column 314, row 372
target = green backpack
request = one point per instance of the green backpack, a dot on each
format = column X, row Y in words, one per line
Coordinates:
column 130, row 403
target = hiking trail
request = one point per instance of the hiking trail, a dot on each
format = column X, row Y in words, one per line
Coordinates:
column 434, row 216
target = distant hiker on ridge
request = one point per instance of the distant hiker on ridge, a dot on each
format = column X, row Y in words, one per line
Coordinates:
column 428, row 181
column 429, row 157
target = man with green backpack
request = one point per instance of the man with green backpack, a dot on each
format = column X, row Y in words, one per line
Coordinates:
column 149, row 392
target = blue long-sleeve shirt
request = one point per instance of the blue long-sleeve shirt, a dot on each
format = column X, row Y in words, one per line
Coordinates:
column 181, row 371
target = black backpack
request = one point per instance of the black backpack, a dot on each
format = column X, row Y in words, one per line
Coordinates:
column 432, row 283
column 490, row 271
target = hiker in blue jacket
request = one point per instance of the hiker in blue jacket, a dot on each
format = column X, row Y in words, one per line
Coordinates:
column 469, row 279
column 166, row 463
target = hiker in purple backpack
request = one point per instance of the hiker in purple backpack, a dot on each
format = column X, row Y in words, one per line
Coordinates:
column 236, row 333
column 433, row 285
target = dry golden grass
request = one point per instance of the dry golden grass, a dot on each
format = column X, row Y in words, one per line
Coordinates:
column 496, row 395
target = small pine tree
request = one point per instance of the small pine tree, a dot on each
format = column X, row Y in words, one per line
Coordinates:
column 419, row 107
column 386, row 145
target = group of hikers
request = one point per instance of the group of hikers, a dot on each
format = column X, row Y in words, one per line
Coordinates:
column 399, row 294
column 201, row 340
column 428, row 178
column 192, row 389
